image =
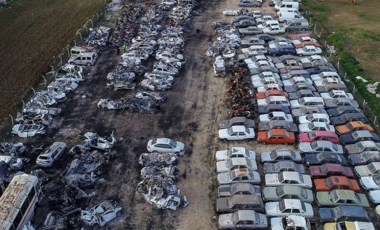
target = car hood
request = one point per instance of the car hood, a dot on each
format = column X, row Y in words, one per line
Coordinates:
column 326, row 214
column 305, row 146
column 362, row 171
column 265, row 157
column 352, row 149
column 225, row 221
column 271, row 179
column 224, row 178
column 295, row 104
column 221, row 167
column 368, row 183
column 270, row 194
column 222, row 204
column 323, row 199
column 223, row 133
column 221, row 155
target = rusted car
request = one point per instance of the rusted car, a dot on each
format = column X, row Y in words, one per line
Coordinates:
column 353, row 126
column 330, row 169
column 336, row 182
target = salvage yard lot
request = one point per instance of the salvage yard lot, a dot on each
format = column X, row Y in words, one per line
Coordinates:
column 31, row 33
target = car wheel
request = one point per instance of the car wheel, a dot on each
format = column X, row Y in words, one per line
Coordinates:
column 264, row 143
column 118, row 214
column 177, row 153
column 286, row 22
column 285, row 143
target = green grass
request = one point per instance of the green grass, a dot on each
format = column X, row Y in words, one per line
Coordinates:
column 32, row 32
column 342, row 37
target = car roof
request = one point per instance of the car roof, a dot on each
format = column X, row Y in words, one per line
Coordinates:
column 291, row 175
column 238, row 128
column 324, row 143
column 278, row 132
column 362, row 133
column 292, row 203
column 325, row 133
column 239, row 161
column 246, row 199
column 163, row 140
column 295, row 221
column 246, row 214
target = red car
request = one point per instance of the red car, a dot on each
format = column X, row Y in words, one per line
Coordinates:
column 336, row 182
column 272, row 92
column 276, row 136
column 329, row 169
column 319, row 136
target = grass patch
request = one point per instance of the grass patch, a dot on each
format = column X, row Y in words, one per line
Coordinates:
column 341, row 39
column 32, row 32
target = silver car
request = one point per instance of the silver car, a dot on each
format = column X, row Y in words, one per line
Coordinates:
column 48, row 158
column 287, row 192
column 320, row 146
column 238, row 188
column 235, row 163
column 234, row 152
column 243, row 219
column 280, row 155
column 239, row 176
column 283, row 166
column 288, row 178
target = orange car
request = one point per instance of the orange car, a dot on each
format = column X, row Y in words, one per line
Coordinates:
column 336, row 182
column 272, row 92
column 276, row 136
column 353, row 126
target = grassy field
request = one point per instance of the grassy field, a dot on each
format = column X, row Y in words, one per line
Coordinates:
column 355, row 32
column 31, row 33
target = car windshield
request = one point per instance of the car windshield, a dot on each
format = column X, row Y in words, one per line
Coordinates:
column 376, row 178
column 282, row 205
column 311, row 126
column 43, row 157
column 233, row 175
column 302, row 100
column 229, row 163
column 173, row 143
column 280, row 191
column 350, row 127
column 371, row 168
column 312, row 135
column 303, row 193
column 233, row 189
column 235, row 217
column 314, row 145
column 334, row 196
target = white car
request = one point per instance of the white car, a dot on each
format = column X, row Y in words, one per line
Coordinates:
column 324, row 75
column 265, row 74
column 274, row 30
column 367, row 170
column 320, row 146
column 307, row 101
column 288, row 178
column 239, row 176
column 231, row 12
column 315, row 126
column 335, row 93
column 370, row 182
column 290, row 222
column 236, row 163
column 165, row 145
column 314, row 117
column 288, row 207
column 374, row 196
column 275, row 116
column 265, row 81
column 268, row 87
column 297, row 80
column 273, row 100
column 236, row 133
column 47, row 158
column 265, row 18
column 234, row 152
column 308, row 50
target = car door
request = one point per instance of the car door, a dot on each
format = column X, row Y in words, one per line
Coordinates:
column 242, row 135
column 234, row 136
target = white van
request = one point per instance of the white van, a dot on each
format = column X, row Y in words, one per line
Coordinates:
column 288, row 5
column 81, row 49
column 286, row 10
column 289, row 17
column 297, row 25
column 88, row 58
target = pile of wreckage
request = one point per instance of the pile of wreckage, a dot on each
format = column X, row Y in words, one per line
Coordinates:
column 126, row 28
column 158, row 174
column 142, row 102
column 98, row 37
column 240, row 95
column 37, row 114
column 224, row 48
column 77, row 184
column 160, row 34
column 12, row 160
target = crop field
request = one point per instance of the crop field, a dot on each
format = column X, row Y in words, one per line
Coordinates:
column 31, row 33
column 355, row 32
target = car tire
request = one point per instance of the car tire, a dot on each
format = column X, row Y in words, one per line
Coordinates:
column 118, row 214
column 286, row 144
column 264, row 143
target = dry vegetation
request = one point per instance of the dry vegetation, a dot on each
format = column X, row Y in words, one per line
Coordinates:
column 31, row 33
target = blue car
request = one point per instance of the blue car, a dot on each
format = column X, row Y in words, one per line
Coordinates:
column 343, row 213
column 361, row 135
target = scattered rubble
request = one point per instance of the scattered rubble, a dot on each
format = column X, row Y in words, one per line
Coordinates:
column 101, row 214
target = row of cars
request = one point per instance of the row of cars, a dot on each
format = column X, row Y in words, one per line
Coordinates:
column 300, row 99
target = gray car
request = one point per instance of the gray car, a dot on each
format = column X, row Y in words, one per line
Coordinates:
column 362, row 146
column 238, row 202
column 287, row 192
column 320, row 146
column 368, row 170
column 234, row 152
column 307, row 110
column 280, row 155
column 238, row 188
column 243, row 219
column 283, row 166
column 237, row 121
column 239, row 176
column 235, row 163
column 48, row 158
